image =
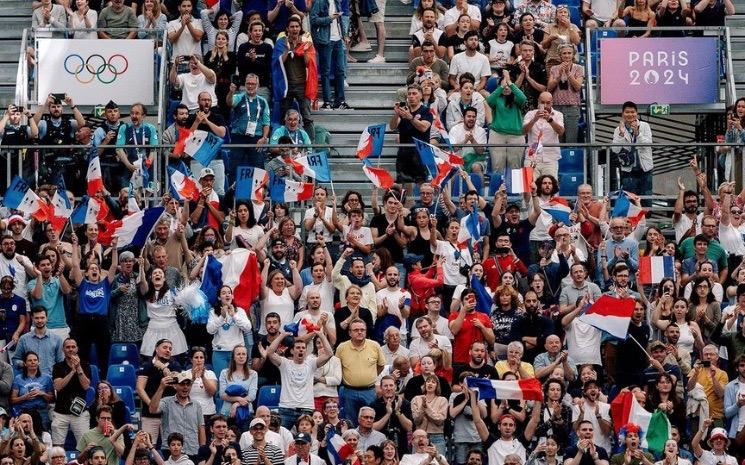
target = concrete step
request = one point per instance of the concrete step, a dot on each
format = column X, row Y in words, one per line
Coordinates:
column 9, row 53
column 395, row 27
column 8, row 73
column 8, row 10
column 12, row 28
column 735, row 23
column 396, row 51
column 364, row 74
column 369, row 97
column 351, row 121
column 7, row 95
column 350, row 167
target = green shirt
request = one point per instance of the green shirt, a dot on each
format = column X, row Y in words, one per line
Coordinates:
column 619, row 459
column 95, row 436
column 507, row 119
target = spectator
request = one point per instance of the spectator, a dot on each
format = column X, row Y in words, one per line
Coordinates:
column 199, row 79
column 428, row 32
column 529, row 73
column 41, row 341
column 224, row 340
column 429, row 412
column 103, row 439
column 544, row 125
column 466, row 97
column 238, row 377
column 221, row 60
column 185, row 34
column 461, row 7
column 135, row 160
column 506, row 128
column 565, row 82
column 82, row 18
column 179, row 413
column 636, row 163
column 601, row 13
column 711, row 12
column 639, row 15
column 328, row 35
column 713, row 380
column 259, row 450
column 204, row 385
column 32, row 389
column 295, row 60
column 117, row 16
column 413, row 121
column 470, row 61
column 222, row 22
column 429, row 60
column 255, row 57
column 151, row 18
column 72, row 378
column 253, row 128
column 49, row 16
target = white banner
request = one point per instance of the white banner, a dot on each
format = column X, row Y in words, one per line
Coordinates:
column 94, row 71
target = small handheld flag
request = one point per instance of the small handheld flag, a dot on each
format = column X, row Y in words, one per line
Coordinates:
column 315, row 166
column 652, row 270
column 626, row 209
column 518, row 181
column 202, row 146
column 248, row 183
column 371, row 141
column 522, row 389
column 610, row 314
column 380, row 178
column 286, row 190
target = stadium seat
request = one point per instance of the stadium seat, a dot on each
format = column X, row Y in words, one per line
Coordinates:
column 126, row 394
column 269, row 396
column 568, row 182
column 495, row 180
column 71, row 455
column 90, row 395
column 124, row 354
column 572, row 160
column 95, row 376
column 575, row 16
column 122, row 375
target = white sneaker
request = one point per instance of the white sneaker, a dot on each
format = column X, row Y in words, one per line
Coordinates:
column 346, row 84
column 361, row 47
column 377, row 59
column 406, row 2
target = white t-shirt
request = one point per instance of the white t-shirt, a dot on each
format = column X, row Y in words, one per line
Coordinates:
column 185, row 45
column 454, row 259
column 192, row 85
column 416, row 459
column 305, row 315
column 731, row 240
column 282, row 304
column 314, row 459
column 389, row 356
column 363, row 235
column 583, row 343
column 318, row 226
column 393, row 298
column 708, row 458
column 199, row 395
column 501, row 449
column 326, row 289
column 420, row 348
column 478, row 65
column 599, row 438
column 717, row 290
column 297, row 385
column 685, row 223
column 452, row 15
column 500, row 52
column 602, row 9
column 458, row 134
column 442, row 326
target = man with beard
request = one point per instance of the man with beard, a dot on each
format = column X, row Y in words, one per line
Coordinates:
column 393, row 305
column 250, row 125
column 532, row 328
column 15, row 265
column 427, row 341
column 105, row 135
column 467, row 132
column 204, row 119
column 681, row 356
column 589, row 408
column 296, row 397
column 582, row 339
column 136, row 160
column 277, row 257
column 72, row 378
column 431, row 61
column 171, row 134
column 468, row 325
column 55, row 128
column 433, row 305
column 268, row 373
column 428, row 34
column 470, row 61
column 546, row 188
column 503, row 259
column 392, row 413
column 413, row 121
column 48, row 290
column 545, row 362
column 476, row 363
column 208, row 210
column 586, row 452
column 510, row 223
column 686, row 218
column 324, row 320
column 358, row 275
column 48, row 346
column 172, row 242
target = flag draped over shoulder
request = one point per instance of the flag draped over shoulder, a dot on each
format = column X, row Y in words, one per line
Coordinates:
column 279, row 75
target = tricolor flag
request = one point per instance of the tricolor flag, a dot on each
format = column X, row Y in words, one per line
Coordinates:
column 371, row 141
column 445, row 172
column 432, row 156
column 521, row 389
column 134, row 229
column 380, row 177
column 248, row 183
column 437, row 124
column 625, row 208
column 314, row 166
column 609, row 314
column 653, row 269
column 202, row 146
column 61, row 209
column 285, row 190
column 20, row 196
column 94, row 176
column 87, row 211
column 518, row 181
column 338, row 449
column 626, row 411
column 182, row 185
column 559, row 210
column 535, row 148
column 302, row 327
column 483, row 300
column 239, row 270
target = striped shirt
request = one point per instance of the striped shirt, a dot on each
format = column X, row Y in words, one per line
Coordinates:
column 273, row 453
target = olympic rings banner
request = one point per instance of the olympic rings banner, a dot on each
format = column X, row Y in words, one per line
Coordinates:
column 94, row 71
column 659, row 70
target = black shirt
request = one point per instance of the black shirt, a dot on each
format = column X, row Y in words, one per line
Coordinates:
column 379, row 223
column 415, row 384
column 214, row 118
column 484, row 371
column 73, row 389
column 342, row 335
column 519, row 236
column 538, row 73
column 154, row 376
column 269, row 371
column 712, row 15
column 393, row 429
column 261, row 66
column 406, row 130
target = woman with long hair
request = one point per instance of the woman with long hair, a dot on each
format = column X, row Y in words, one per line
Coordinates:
column 554, row 420
column 221, row 60
column 430, row 410
column 161, row 309
column 277, row 295
column 352, row 200
column 105, row 395
column 32, row 390
column 238, row 372
column 15, row 449
column 84, row 17
column 655, row 242
column 211, row 236
column 151, row 373
column 671, row 454
column 662, row 306
column 663, row 396
column 419, row 236
column 504, row 316
column 390, row 452
column 326, row 378
column 151, row 18
column 691, row 337
column 222, row 22
column 541, row 287
column 506, row 101
column 242, row 229
column 639, row 15
column 124, row 317
column 204, row 382
column 228, row 325
column 703, row 307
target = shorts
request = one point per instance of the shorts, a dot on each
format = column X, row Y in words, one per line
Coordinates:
column 379, row 17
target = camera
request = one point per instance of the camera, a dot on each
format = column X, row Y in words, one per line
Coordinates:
column 464, row 270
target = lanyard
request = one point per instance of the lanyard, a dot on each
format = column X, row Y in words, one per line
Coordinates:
column 295, row 140
column 134, row 135
column 248, row 109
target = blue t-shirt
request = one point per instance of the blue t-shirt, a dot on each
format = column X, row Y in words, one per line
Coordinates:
column 51, row 299
column 94, row 298
column 13, row 307
column 25, row 384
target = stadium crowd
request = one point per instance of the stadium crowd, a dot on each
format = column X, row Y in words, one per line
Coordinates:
column 395, row 317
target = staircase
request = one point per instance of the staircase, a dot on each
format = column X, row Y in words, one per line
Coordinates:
column 371, row 92
column 15, row 15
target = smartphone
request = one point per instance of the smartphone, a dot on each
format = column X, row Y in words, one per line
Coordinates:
column 501, row 250
column 402, row 103
column 186, row 57
column 58, row 96
column 236, row 80
column 706, row 364
column 20, row 109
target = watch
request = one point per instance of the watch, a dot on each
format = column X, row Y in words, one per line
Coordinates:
column 550, row 120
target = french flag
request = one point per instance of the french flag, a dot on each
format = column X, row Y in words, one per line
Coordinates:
column 559, row 209
column 286, row 190
column 625, row 208
column 653, row 269
column 520, row 389
column 183, row 186
column 87, row 211
column 432, row 156
column 314, row 166
column 249, row 181
column 610, row 314
column 519, row 181
column 61, row 209
column 470, row 231
column 338, row 449
column 371, row 141
column 94, row 176
column 535, row 148
column 134, row 229
column 20, row 196
column 302, row 327
column 439, row 127
column 202, row 146
column 380, row 177
column 239, row 270
column 445, row 172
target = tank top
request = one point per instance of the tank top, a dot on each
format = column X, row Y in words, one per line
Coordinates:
column 420, row 246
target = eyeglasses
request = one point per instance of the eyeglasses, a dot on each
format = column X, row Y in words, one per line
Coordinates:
column 702, row 286
column 735, row 212
column 367, row 417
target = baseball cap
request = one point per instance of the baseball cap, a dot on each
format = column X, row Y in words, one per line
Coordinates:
column 411, row 259
column 303, row 437
column 183, row 377
column 657, row 345
column 206, row 172
column 257, row 421
column 512, row 205
column 16, row 219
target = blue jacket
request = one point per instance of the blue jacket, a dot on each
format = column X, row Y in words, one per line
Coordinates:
column 731, row 410
column 320, row 21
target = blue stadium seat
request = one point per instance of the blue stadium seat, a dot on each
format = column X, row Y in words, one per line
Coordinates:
column 568, row 182
column 597, row 36
column 122, row 375
column 95, row 376
column 71, row 455
column 577, row 3
column 494, row 182
column 575, row 15
column 124, row 354
column 269, row 396
column 90, row 395
column 126, row 394
column 572, row 160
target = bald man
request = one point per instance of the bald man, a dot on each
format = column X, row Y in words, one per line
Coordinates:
column 550, row 123
column 545, row 363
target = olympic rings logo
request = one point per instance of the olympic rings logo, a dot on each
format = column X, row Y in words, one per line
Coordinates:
column 96, row 67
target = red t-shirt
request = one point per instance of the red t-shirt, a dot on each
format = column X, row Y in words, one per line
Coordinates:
column 467, row 335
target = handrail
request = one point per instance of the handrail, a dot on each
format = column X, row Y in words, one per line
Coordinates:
column 730, row 89
column 21, row 94
column 589, row 103
column 162, row 99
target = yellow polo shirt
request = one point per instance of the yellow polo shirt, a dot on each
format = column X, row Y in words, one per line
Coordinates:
column 716, row 404
column 359, row 366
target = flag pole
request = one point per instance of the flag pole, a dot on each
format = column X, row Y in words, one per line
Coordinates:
column 639, row 344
